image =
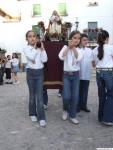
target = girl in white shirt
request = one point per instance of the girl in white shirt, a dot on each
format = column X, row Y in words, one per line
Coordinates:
column 15, row 68
column 71, row 57
column 36, row 56
column 103, row 60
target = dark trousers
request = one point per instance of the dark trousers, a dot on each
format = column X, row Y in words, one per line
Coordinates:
column 1, row 76
column 105, row 93
column 45, row 96
column 60, row 91
column 8, row 73
column 35, row 85
column 83, row 93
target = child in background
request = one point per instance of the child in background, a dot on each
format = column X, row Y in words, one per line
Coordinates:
column 15, row 68
column 8, row 70
column 1, row 72
column 85, row 73
column 71, row 56
column 36, row 56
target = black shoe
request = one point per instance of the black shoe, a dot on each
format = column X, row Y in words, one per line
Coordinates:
column 85, row 109
column 10, row 83
column 1, row 83
column 78, row 110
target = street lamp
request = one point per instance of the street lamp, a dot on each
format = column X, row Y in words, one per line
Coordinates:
column 76, row 23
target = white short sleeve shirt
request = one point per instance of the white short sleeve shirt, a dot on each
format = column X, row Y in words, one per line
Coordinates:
column 86, row 64
column 107, row 60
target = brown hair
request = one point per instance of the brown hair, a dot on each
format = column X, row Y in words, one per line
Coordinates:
column 73, row 33
column 102, row 36
column 29, row 32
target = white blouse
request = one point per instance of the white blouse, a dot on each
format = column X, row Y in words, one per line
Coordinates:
column 8, row 64
column 107, row 60
column 36, row 55
column 15, row 61
column 71, row 63
column 86, row 64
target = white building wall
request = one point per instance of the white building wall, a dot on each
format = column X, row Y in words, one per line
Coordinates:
column 13, row 34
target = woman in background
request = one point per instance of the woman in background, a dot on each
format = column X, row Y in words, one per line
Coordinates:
column 15, row 68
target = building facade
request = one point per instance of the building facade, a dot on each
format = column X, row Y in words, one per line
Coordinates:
column 89, row 14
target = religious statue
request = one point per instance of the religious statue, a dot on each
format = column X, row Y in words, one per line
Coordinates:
column 55, row 23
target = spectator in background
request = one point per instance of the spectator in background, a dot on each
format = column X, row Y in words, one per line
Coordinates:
column 8, row 70
column 15, row 68
column 1, row 71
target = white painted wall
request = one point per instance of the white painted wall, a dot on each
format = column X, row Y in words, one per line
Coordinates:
column 13, row 34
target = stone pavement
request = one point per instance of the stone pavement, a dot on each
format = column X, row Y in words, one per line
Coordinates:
column 17, row 132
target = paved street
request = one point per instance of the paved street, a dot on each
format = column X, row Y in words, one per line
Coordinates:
column 17, row 132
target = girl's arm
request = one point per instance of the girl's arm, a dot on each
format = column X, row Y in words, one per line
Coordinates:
column 78, row 55
column 75, row 53
column 30, row 56
column 63, row 53
column 70, row 43
column 43, row 53
column 93, row 64
column 43, row 56
column 93, row 58
column 42, row 46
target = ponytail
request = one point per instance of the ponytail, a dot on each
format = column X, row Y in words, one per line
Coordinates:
column 102, row 36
